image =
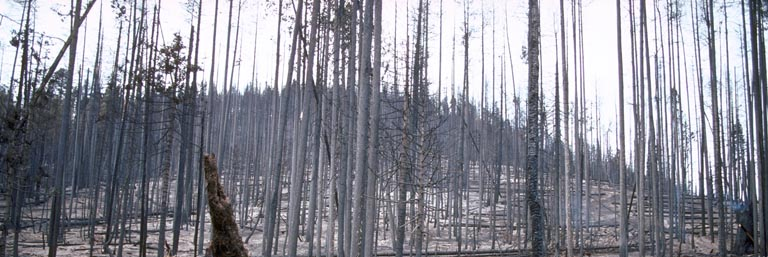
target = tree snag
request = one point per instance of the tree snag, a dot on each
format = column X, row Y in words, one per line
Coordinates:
column 226, row 235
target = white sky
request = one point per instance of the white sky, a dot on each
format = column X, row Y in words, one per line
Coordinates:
column 599, row 18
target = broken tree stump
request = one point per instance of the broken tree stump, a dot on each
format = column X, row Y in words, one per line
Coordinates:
column 226, row 240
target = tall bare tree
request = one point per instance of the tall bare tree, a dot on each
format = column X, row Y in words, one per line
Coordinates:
column 623, row 219
column 713, row 83
column 566, row 144
column 61, row 152
column 532, row 183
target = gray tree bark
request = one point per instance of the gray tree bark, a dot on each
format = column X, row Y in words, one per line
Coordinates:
column 716, row 130
column 566, row 144
column 532, row 185
column 61, row 152
column 298, row 166
column 276, row 162
column 361, row 149
column 623, row 220
column 373, row 149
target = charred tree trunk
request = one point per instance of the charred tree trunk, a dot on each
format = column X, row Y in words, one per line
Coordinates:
column 533, row 201
column 226, row 240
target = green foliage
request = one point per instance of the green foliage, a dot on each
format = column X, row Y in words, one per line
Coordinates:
column 170, row 74
column 172, row 56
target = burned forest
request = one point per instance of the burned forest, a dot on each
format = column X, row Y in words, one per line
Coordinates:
column 383, row 128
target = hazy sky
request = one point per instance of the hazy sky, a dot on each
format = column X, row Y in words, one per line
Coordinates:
column 507, row 18
column 504, row 20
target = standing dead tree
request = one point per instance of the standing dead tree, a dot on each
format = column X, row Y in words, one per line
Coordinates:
column 532, row 184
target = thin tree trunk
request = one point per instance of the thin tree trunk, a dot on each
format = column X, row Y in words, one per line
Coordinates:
column 566, row 145
column 403, row 170
column 297, row 170
column 61, row 156
column 166, row 171
column 532, row 185
column 272, row 199
column 417, row 130
column 333, row 197
column 716, row 130
column 318, row 96
column 361, row 151
column 755, row 17
column 373, row 150
column 144, row 188
column 623, row 219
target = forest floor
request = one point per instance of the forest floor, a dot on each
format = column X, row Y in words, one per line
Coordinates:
column 478, row 233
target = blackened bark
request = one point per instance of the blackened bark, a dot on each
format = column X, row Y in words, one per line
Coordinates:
column 533, row 129
column 226, row 240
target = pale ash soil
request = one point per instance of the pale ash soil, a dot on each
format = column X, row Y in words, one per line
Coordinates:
column 603, row 230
